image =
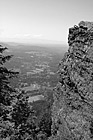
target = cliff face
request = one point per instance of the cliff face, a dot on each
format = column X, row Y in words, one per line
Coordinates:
column 73, row 98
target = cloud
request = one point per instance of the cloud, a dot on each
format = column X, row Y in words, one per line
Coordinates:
column 37, row 36
column 28, row 35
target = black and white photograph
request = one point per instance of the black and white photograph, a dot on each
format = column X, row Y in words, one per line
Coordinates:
column 46, row 69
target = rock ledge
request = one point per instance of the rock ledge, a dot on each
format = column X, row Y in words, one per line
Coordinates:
column 73, row 97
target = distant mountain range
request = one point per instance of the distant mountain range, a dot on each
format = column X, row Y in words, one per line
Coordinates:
column 33, row 41
column 52, row 46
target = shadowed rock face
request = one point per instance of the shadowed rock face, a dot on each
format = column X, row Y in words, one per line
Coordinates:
column 73, row 97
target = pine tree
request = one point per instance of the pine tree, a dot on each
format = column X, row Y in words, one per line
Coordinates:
column 5, row 94
column 23, row 118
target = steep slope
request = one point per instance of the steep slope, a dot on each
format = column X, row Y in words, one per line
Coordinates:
column 73, row 98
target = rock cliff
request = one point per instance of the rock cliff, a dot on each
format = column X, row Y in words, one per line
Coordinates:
column 72, row 115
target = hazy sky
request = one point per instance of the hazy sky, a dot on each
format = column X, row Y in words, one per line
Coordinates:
column 41, row 19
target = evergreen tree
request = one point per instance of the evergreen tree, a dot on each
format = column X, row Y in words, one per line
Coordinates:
column 24, row 119
column 5, row 94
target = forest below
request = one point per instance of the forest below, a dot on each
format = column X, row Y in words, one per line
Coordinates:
column 18, row 119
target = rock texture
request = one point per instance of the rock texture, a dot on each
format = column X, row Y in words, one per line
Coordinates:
column 73, row 98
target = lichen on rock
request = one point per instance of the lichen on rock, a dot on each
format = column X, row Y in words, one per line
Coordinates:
column 73, row 98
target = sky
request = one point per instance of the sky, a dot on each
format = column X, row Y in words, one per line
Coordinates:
column 28, row 20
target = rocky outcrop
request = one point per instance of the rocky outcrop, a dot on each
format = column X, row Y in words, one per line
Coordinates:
column 73, row 98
